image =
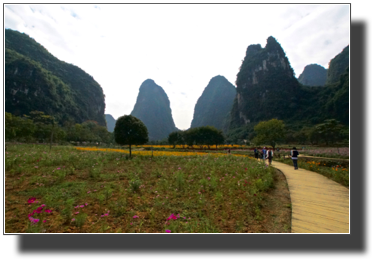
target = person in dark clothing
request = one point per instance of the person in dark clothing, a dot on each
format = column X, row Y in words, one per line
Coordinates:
column 270, row 155
column 294, row 156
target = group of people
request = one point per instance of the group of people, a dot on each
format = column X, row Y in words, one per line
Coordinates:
column 265, row 154
column 269, row 154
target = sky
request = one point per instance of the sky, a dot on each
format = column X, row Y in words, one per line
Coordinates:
column 180, row 47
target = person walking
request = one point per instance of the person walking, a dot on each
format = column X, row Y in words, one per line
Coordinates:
column 270, row 155
column 264, row 153
column 294, row 156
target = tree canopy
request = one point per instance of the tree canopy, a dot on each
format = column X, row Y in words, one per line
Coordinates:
column 269, row 132
column 130, row 130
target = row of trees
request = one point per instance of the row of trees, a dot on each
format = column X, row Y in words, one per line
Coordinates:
column 274, row 131
column 39, row 127
column 205, row 135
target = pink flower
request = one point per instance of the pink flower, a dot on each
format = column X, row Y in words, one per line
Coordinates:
column 101, row 215
column 73, row 219
column 81, row 206
column 31, row 200
column 35, row 220
column 86, row 204
column 88, row 192
column 135, row 217
column 48, row 211
column 168, row 231
column 106, row 214
column 58, row 168
column 43, row 205
column 76, row 213
column 29, row 215
column 44, row 221
column 76, row 206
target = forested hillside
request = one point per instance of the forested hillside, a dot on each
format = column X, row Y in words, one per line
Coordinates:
column 35, row 80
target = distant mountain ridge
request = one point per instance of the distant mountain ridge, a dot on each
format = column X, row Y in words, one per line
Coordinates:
column 267, row 88
column 110, row 120
column 152, row 107
column 36, row 80
column 214, row 104
column 313, row 75
column 337, row 66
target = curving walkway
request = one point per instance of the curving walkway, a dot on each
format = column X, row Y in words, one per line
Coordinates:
column 319, row 205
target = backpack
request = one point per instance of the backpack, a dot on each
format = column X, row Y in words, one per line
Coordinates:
column 295, row 154
column 270, row 154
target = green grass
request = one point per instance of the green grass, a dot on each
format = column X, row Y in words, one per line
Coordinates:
column 103, row 192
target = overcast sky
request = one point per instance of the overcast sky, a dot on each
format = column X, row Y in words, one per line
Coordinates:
column 180, row 47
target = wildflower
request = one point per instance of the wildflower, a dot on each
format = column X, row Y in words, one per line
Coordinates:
column 135, row 217
column 31, row 200
column 101, row 215
column 73, row 219
column 43, row 205
column 168, row 231
column 76, row 213
column 106, row 214
column 88, row 192
column 58, row 168
column 44, row 221
column 81, row 206
column 48, row 211
column 86, row 204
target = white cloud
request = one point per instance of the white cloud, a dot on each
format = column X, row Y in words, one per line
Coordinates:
column 180, row 47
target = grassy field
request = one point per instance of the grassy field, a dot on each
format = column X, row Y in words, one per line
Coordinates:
column 86, row 190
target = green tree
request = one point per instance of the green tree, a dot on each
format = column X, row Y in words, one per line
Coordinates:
column 10, row 126
column 330, row 130
column 44, row 125
column 173, row 138
column 129, row 130
column 218, row 138
column 269, row 132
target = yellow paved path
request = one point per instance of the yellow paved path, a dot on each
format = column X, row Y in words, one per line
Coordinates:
column 319, row 205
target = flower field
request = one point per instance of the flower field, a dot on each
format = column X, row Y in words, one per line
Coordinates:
column 90, row 190
column 342, row 153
